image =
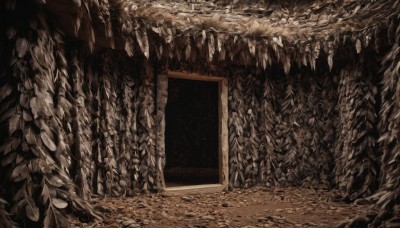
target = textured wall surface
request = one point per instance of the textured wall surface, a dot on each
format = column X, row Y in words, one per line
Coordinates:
column 75, row 124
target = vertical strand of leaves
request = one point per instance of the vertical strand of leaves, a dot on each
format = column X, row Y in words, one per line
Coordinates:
column 97, row 152
column 8, row 101
column 81, row 142
column 310, row 136
column 268, row 161
column 108, row 126
column 289, row 127
column 389, row 128
column 126, row 134
column 119, row 147
column 281, row 128
column 251, row 136
column 115, row 115
column 327, row 123
column 90, row 124
column 146, row 130
column 357, row 173
column 134, row 150
column 162, row 98
column 236, row 137
column 42, row 187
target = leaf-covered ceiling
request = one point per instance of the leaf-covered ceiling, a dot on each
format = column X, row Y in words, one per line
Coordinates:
column 260, row 32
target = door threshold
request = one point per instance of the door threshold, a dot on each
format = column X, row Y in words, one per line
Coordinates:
column 195, row 189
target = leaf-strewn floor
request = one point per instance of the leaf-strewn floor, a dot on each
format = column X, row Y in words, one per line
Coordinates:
column 254, row 207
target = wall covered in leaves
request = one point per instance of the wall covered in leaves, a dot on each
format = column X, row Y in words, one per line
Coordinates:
column 76, row 123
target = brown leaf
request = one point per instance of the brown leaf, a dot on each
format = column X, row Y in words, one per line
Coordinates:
column 21, row 45
column 35, row 107
column 45, row 194
column 8, row 159
column 5, row 91
column 59, row 203
column 358, row 46
column 141, row 37
column 32, row 212
column 48, row 141
column 30, row 136
column 14, row 123
column 19, row 173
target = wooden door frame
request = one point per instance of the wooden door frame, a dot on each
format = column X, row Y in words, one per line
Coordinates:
column 223, row 148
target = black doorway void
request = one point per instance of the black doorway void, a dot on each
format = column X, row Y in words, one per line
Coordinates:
column 191, row 134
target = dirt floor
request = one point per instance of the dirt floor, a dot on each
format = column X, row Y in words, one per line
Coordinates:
column 254, row 207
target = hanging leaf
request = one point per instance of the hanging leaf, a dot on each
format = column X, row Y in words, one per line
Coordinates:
column 14, row 124
column 32, row 212
column 21, row 45
column 8, row 159
column 211, row 47
column 5, row 91
column 141, row 37
column 19, row 173
column 128, row 49
column 278, row 41
column 330, row 62
column 59, row 203
column 45, row 194
column 35, row 107
column 358, row 46
column 30, row 136
column 188, row 51
column 48, row 141
column 252, row 46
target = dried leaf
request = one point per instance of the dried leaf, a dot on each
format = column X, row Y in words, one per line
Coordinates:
column 141, row 37
column 358, row 46
column 128, row 49
column 45, row 194
column 14, row 124
column 211, row 47
column 330, row 62
column 8, row 159
column 5, row 91
column 30, row 136
column 59, row 203
column 19, row 173
column 32, row 212
column 48, row 141
column 21, row 45
column 35, row 107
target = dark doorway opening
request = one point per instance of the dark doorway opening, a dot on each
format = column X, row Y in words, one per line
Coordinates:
column 191, row 134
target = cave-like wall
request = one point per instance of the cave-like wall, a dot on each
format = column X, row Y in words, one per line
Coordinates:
column 75, row 123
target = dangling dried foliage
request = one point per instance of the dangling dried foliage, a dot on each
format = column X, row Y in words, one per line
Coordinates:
column 268, row 162
column 251, row 129
column 356, row 155
column 386, row 211
column 108, row 127
column 34, row 125
column 5, row 219
column 237, row 162
column 80, row 126
column 146, row 129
